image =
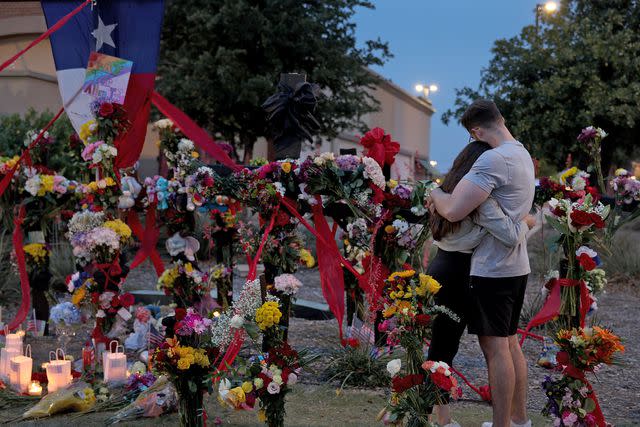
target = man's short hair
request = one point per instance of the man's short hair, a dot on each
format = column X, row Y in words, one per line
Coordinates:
column 481, row 113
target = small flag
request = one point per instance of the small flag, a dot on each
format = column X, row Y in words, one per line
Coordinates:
column 155, row 337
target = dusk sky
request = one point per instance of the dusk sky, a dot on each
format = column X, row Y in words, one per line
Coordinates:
column 445, row 42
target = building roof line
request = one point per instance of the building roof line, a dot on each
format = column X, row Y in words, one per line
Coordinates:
column 419, row 102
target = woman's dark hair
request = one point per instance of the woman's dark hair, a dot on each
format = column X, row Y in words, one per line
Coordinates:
column 440, row 227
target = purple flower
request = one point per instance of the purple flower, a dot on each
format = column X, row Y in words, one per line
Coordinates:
column 348, row 162
column 402, row 191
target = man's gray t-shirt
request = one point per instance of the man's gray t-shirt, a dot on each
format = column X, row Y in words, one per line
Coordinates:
column 506, row 172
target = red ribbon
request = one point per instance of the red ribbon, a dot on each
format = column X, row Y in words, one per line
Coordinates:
column 568, row 369
column 148, row 238
column 551, row 308
column 55, row 27
column 291, row 208
column 194, row 132
column 23, row 310
column 331, row 277
column 253, row 265
column 4, row 184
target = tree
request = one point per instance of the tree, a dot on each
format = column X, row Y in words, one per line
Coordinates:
column 581, row 69
column 220, row 59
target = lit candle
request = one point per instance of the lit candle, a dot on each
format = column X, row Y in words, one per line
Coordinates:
column 114, row 364
column 35, row 389
column 58, row 372
column 14, row 340
column 20, row 368
column 5, row 356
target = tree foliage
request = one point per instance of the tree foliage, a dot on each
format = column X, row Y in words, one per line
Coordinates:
column 220, row 59
column 580, row 68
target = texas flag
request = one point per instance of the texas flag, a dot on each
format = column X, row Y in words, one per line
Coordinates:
column 127, row 29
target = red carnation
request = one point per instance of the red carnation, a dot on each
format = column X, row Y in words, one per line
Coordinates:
column 586, row 262
column 444, row 382
column 181, row 313
column 423, row 319
column 115, row 302
column 127, row 300
column 581, row 219
column 400, row 384
column 106, row 109
column 208, row 181
column 351, row 342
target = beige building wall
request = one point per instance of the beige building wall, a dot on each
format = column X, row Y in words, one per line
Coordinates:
column 31, row 83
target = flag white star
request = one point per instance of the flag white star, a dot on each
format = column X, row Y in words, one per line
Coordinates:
column 103, row 34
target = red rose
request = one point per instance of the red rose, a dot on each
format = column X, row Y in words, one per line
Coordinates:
column 400, row 384
column 181, row 313
column 586, row 262
column 106, row 109
column 115, row 302
column 597, row 220
column 595, row 194
column 444, row 382
column 208, row 181
column 423, row 319
column 127, row 300
column 580, row 219
column 351, row 342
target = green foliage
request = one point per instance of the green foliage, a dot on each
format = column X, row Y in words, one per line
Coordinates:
column 358, row 367
column 10, row 285
column 222, row 58
column 58, row 156
column 580, row 69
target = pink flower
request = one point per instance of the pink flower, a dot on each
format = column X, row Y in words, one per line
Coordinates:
column 569, row 418
column 87, row 153
column 105, row 300
column 143, row 314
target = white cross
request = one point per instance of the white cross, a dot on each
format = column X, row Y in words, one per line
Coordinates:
column 103, row 34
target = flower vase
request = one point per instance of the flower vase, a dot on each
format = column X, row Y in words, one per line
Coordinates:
column 64, row 335
column 274, row 411
column 190, row 402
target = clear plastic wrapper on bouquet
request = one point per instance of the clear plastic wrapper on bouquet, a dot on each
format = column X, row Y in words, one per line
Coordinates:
column 159, row 399
column 77, row 397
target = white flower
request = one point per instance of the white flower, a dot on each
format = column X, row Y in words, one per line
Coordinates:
column 163, row 124
column 393, row 366
column 185, row 145
column 287, row 284
column 293, row 378
column 32, row 186
column 236, row 322
column 586, row 250
column 273, row 388
column 579, row 184
column 373, row 172
column 279, row 188
column 258, row 382
column 553, row 203
column 277, row 379
column 100, row 314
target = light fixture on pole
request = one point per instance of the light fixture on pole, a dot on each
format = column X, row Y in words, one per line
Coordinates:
column 549, row 8
column 433, row 163
column 425, row 90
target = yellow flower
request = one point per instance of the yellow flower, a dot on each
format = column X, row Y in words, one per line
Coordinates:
column 194, row 154
column 188, row 268
column 401, row 274
column 93, row 186
column 37, row 251
column 428, row 284
column 268, row 315
column 307, row 258
column 120, row 228
column 389, row 311
column 286, row 167
column 110, row 182
column 236, row 397
column 183, row 364
column 389, row 229
column 46, row 184
column 247, row 386
column 262, row 415
column 621, row 171
column 85, row 131
column 78, row 295
column 567, row 174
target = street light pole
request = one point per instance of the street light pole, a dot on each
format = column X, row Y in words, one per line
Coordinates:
column 548, row 7
column 425, row 90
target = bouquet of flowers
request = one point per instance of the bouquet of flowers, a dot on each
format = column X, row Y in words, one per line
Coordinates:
column 220, row 277
column 37, row 255
column 188, row 360
column 577, row 222
column 179, row 151
column 100, row 154
column 350, row 185
column 408, row 309
column 589, row 141
column 185, row 283
column 584, row 349
column 266, row 382
column 95, row 239
column 570, row 403
column 99, row 195
column 415, row 392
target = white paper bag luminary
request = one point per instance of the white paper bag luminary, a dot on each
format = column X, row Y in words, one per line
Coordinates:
column 5, row 356
column 114, row 364
column 20, row 368
column 58, row 371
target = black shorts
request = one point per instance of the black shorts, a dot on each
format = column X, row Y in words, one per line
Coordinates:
column 495, row 304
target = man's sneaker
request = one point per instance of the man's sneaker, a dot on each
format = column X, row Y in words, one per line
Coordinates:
column 527, row 424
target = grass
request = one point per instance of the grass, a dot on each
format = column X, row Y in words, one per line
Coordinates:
column 357, row 367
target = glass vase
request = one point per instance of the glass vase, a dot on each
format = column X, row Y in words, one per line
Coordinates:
column 190, row 402
column 64, row 334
